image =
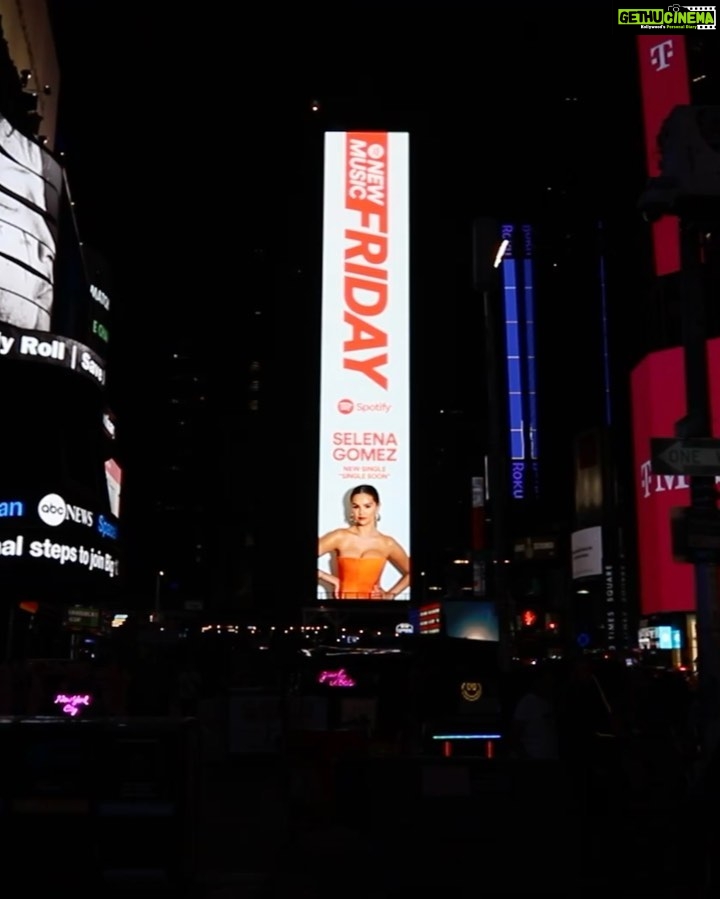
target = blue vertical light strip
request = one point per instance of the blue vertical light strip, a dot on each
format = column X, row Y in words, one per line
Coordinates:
column 514, row 369
column 605, row 335
column 529, row 297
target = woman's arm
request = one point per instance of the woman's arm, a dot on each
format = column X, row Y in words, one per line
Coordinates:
column 401, row 561
column 329, row 580
column 328, row 544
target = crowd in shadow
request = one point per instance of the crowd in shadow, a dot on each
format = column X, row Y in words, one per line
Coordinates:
column 600, row 739
column 142, row 684
column 633, row 728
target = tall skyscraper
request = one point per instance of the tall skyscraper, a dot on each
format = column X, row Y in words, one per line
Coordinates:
column 61, row 478
column 30, row 52
column 683, row 70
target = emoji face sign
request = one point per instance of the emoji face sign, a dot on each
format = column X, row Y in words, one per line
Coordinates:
column 471, row 691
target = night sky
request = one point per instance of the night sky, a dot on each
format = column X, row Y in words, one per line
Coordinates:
column 188, row 140
column 191, row 142
column 172, row 124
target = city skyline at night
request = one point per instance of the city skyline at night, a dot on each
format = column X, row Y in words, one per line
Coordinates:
column 218, row 280
column 362, row 409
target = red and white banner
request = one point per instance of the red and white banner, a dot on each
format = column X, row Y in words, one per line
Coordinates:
column 364, row 393
column 664, row 84
column 658, row 401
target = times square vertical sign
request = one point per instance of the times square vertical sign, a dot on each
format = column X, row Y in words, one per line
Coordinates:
column 364, row 389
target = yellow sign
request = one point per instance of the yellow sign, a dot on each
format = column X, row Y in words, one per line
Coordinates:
column 471, row 691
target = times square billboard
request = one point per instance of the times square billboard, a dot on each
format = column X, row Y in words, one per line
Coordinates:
column 364, row 455
column 60, row 479
column 658, row 403
column 664, row 84
column 50, row 313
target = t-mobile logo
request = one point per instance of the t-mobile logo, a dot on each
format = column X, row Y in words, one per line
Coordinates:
column 659, row 483
column 662, row 483
column 660, row 55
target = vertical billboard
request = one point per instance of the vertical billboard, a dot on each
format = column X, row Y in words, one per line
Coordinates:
column 364, row 460
column 519, row 320
column 658, row 402
column 664, row 85
column 113, row 479
column 44, row 296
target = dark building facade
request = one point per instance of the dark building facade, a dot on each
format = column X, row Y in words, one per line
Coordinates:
column 61, row 541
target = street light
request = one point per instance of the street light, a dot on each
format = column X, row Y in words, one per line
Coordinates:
column 502, row 249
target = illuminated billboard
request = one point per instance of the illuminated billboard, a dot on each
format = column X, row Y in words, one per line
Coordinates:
column 468, row 620
column 658, row 402
column 364, row 462
column 44, row 295
column 664, row 84
column 113, row 478
column 519, row 321
column 51, row 535
column 96, row 282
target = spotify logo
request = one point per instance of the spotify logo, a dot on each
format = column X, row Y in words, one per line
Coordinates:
column 52, row 510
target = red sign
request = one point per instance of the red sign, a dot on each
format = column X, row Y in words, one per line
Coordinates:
column 430, row 619
column 658, row 401
column 664, row 84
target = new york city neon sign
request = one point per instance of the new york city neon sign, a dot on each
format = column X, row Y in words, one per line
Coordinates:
column 71, row 705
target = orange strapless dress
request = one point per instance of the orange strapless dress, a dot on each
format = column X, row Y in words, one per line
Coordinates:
column 358, row 577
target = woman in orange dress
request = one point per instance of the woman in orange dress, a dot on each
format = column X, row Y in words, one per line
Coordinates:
column 361, row 551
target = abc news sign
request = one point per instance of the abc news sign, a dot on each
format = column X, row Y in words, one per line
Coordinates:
column 92, row 550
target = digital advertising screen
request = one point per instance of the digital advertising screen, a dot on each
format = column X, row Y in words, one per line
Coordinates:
column 664, row 85
column 113, row 477
column 658, row 402
column 46, row 536
column 97, row 281
column 45, row 298
column 519, row 325
column 471, row 620
column 364, row 455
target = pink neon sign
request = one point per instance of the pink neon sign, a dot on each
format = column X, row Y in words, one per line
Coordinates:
column 71, row 705
column 338, row 678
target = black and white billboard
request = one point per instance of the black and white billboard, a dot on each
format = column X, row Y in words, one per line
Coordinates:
column 46, row 305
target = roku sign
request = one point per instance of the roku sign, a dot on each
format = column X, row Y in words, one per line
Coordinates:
column 658, row 402
column 518, row 480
